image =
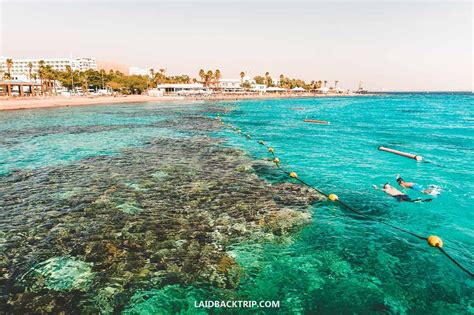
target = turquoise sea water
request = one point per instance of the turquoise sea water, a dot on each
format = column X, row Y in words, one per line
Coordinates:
column 340, row 263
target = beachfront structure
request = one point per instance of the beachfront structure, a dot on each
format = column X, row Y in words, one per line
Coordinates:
column 298, row 89
column 276, row 89
column 22, row 65
column 192, row 88
column 261, row 88
column 322, row 90
column 19, row 88
column 230, row 85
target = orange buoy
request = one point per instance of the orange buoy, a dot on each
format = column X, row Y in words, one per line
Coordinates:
column 408, row 155
column 315, row 121
column 271, row 150
column 276, row 160
column 435, row 241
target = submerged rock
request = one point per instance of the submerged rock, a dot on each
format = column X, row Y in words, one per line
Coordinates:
column 60, row 274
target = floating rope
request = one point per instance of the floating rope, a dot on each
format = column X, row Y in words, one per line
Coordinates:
column 432, row 240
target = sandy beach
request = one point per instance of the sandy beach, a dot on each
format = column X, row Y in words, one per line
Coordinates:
column 17, row 103
column 59, row 101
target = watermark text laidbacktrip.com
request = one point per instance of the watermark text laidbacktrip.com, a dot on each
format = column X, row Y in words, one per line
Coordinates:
column 237, row 304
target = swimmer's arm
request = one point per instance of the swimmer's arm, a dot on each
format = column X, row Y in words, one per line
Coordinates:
column 375, row 186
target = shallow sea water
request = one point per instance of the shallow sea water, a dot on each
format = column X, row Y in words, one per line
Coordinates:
column 142, row 209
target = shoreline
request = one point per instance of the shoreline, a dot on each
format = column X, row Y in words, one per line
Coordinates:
column 18, row 103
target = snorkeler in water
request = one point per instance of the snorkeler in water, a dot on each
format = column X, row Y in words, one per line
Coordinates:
column 397, row 194
column 417, row 187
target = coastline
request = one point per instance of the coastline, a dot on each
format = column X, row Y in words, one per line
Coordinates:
column 18, row 103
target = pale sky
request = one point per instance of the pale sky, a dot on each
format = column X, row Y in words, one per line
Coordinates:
column 387, row 45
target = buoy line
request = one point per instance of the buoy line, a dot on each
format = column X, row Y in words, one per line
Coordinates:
column 432, row 240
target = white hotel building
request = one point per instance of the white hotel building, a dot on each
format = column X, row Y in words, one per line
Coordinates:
column 20, row 65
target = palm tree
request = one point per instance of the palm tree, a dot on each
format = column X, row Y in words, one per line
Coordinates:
column 325, row 83
column 335, row 84
column 41, row 73
column 202, row 75
column 50, row 77
column 209, row 76
column 152, row 76
column 9, row 66
column 30, row 69
column 85, row 83
column 54, row 74
column 71, row 74
column 267, row 75
column 242, row 75
column 217, row 76
column 282, row 77
column 102, row 75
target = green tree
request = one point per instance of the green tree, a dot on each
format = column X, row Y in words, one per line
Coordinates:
column 9, row 63
column 217, row 76
column 209, row 76
column 246, row 85
column 30, row 69
column 41, row 74
column 202, row 75
column 259, row 79
column 267, row 78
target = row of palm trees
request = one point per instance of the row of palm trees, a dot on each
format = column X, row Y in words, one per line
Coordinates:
column 46, row 74
column 288, row 83
column 209, row 77
column 49, row 77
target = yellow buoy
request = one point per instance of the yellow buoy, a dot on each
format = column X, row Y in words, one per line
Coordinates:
column 294, row 175
column 271, row 150
column 333, row 197
column 435, row 241
column 276, row 160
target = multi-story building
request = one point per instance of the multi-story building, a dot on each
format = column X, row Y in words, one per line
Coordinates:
column 21, row 65
column 85, row 63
